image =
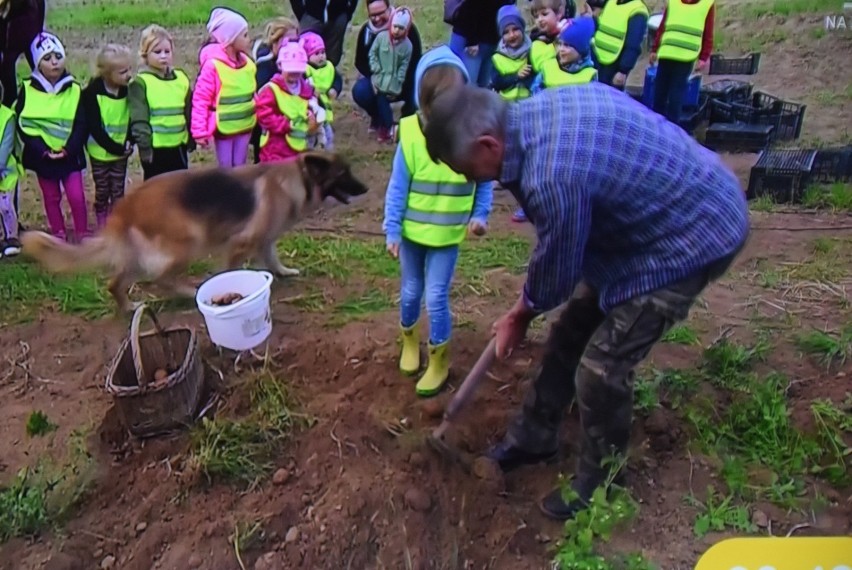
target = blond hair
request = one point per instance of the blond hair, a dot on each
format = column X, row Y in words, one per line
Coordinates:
column 435, row 81
column 277, row 29
column 108, row 57
column 150, row 36
column 555, row 5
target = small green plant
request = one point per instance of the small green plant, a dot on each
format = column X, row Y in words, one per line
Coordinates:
column 834, row 428
column 646, row 394
column 726, row 363
column 836, row 196
column 245, row 536
column 830, row 348
column 681, row 334
column 717, row 513
column 39, row 424
column 762, row 204
column 23, row 506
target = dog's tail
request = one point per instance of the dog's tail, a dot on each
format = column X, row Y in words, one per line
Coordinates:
column 58, row 256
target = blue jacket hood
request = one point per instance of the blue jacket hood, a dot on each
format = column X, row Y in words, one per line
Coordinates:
column 441, row 55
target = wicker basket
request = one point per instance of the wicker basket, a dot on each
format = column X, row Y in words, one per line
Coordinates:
column 151, row 408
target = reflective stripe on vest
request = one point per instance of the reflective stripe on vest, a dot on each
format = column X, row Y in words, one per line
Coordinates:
column 540, row 53
column 295, row 108
column 612, row 29
column 554, row 76
column 440, row 200
column 684, row 30
column 115, row 116
column 235, row 112
column 11, row 168
column 505, row 65
column 323, row 79
column 167, row 107
column 49, row 115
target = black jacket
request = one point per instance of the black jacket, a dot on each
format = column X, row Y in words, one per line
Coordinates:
column 476, row 21
column 324, row 10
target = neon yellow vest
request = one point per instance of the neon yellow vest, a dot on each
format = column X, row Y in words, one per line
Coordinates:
column 541, row 52
column 323, row 79
column 115, row 115
column 13, row 169
column 167, row 107
column 49, row 115
column 295, row 108
column 684, row 29
column 235, row 111
column 554, row 76
column 440, row 200
column 612, row 29
column 506, row 65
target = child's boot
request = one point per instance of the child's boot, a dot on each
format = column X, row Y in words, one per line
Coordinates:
column 437, row 372
column 409, row 360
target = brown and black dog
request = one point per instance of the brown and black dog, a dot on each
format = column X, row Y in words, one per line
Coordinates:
column 167, row 222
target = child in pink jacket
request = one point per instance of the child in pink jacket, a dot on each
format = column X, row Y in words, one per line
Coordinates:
column 283, row 110
column 223, row 108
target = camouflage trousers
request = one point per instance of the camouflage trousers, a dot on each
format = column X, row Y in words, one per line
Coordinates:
column 591, row 356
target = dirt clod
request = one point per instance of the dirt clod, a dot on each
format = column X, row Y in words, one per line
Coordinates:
column 292, row 535
column 108, row 562
column 760, row 519
column 141, row 527
column 417, row 459
column 418, row 500
column 195, row 561
column 487, row 469
column 225, row 299
column 269, row 561
column 280, row 477
column 433, row 408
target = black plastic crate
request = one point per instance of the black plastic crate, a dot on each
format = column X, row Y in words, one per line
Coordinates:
column 763, row 109
column 746, row 65
column 728, row 91
column 738, row 137
column 693, row 115
column 782, row 175
column 832, row 165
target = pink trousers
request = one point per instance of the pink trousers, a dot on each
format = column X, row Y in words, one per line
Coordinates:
column 232, row 151
column 51, row 191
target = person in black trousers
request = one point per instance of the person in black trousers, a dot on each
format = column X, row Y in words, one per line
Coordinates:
column 329, row 19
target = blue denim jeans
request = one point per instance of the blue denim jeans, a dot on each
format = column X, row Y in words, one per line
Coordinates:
column 670, row 88
column 430, row 269
column 380, row 112
column 478, row 67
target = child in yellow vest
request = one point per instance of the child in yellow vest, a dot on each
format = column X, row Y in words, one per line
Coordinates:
column 428, row 210
column 573, row 64
column 549, row 16
column 108, row 124
column 52, row 128
column 10, row 173
column 325, row 80
column 511, row 74
column 223, row 107
column 283, row 110
column 160, row 99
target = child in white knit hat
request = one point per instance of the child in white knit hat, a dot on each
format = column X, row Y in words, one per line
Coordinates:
column 390, row 56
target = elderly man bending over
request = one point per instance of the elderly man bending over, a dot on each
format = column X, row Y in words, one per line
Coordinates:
column 624, row 204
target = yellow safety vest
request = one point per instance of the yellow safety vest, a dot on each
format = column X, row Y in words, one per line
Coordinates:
column 115, row 115
column 50, row 115
column 612, row 29
column 12, row 167
column 323, row 79
column 541, row 52
column 440, row 200
column 554, row 76
column 684, row 29
column 167, row 107
column 235, row 112
column 505, row 65
column 295, row 108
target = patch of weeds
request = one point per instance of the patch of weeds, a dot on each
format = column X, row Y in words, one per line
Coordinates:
column 246, row 535
column 762, row 204
column 834, row 427
column 681, row 334
column 726, row 363
column 373, row 301
column 275, row 406
column 829, row 348
column 646, row 396
column 761, row 8
column 336, row 257
column 822, row 246
column 677, row 385
column 837, row 196
column 39, row 424
column 718, row 513
column 23, row 506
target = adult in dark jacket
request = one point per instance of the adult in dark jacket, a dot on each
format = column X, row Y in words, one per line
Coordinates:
column 20, row 22
column 378, row 19
column 621, row 29
column 474, row 37
column 329, row 19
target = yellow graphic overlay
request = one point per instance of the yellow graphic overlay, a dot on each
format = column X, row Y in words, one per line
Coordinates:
column 796, row 553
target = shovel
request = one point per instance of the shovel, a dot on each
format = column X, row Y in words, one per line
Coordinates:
column 471, row 383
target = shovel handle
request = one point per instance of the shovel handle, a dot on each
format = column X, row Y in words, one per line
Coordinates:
column 471, row 383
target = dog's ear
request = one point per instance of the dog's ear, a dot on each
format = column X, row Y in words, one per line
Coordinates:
column 319, row 166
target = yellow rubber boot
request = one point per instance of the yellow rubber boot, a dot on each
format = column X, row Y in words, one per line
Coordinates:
column 409, row 360
column 437, row 372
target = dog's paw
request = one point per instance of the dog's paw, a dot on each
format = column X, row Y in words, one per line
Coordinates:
column 287, row 272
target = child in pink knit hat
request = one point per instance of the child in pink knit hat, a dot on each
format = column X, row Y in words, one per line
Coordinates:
column 327, row 82
column 283, row 110
column 223, row 108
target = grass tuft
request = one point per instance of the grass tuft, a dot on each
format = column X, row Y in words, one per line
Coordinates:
column 830, row 348
column 718, row 513
column 39, row 424
column 681, row 334
column 726, row 363
column 834, row 433
column 836, row 197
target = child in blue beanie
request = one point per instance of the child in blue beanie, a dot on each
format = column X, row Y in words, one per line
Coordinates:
column 511, row 74
column 573, row 64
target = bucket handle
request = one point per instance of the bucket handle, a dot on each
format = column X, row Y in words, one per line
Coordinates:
column 135, row 350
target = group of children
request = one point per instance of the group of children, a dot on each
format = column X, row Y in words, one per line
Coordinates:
column 278, row 95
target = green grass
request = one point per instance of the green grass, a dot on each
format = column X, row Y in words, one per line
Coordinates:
column 762, row 204
column 681, row 334
column 727, row 363
column 834, row 432
column 754, row 9
column 830, row 348
column 39, row 424
column 23, row 506
column 717, row 513
column 837, row 197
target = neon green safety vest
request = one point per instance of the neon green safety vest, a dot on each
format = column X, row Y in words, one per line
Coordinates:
column 323, row 79
column 49, row 115
column 554, row 76
column 295, row 108
column 541, row 52
column 440, row 200
column 167, row 107
column 235, row 111
column 505, row 65
column 115, row 115
column 12, row 167
column 684, row 29
column 612, row 29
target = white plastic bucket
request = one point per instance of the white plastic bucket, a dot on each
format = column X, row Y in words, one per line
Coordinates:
column 244, row 324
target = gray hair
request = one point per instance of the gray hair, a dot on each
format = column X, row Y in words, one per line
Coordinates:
column 458, row 117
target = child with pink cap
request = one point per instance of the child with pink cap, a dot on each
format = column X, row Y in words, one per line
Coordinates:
column 324, row 79
column 283, row 110
column 223, row 108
